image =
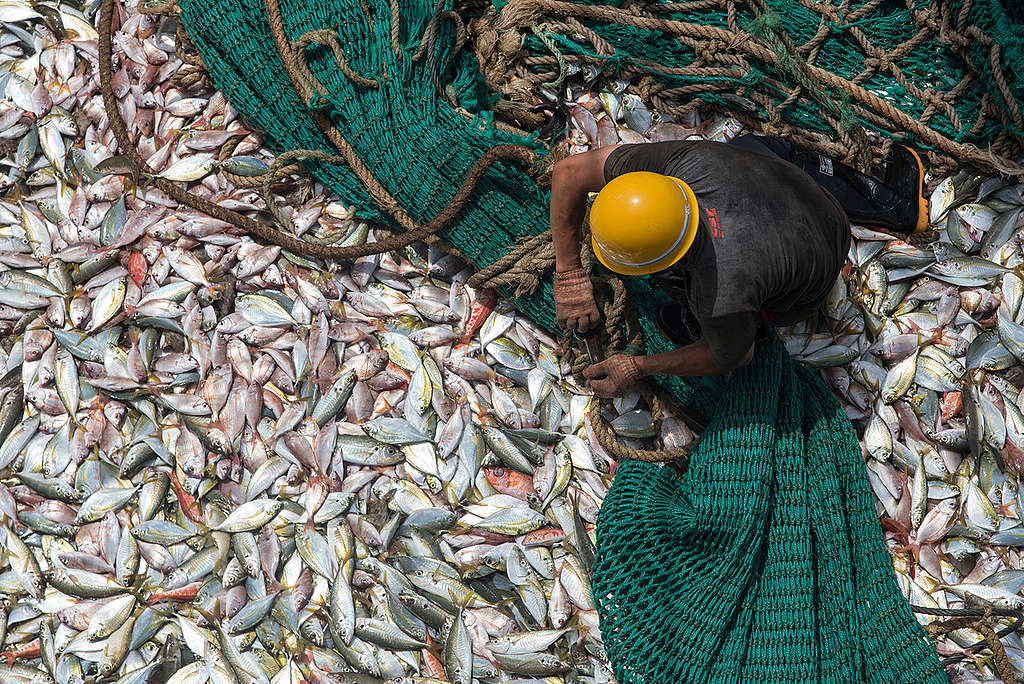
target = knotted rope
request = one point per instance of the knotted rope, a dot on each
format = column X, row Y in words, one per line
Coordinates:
column 980, row 621
column 728, row 63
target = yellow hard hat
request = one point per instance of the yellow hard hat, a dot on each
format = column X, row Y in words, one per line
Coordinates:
column 643, row 222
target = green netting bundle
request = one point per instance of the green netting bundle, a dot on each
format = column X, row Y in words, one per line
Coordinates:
column 765, row 562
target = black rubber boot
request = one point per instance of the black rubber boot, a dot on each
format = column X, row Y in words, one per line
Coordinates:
column 677, row 324
column 905, row 175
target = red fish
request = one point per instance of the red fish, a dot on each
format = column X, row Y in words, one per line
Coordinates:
column 136, row 266
column 1013, row 457
column 28, row 651
column 432, row 665
column 482, row 308
column 952, row 403
column 189, row 505
column 183, row 594
column 545, row 536
column 511, row 482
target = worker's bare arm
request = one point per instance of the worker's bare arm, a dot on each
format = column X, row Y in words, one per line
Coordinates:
column 571, row 180
column 693, row 360
column 615, row 375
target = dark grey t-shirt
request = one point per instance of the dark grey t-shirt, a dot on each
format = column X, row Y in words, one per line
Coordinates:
column 770, row 240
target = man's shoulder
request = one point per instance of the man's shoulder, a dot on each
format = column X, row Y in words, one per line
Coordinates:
column 650, row 155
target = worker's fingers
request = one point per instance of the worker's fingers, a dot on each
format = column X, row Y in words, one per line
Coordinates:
column 597, row 370
column 586, row 322
column 603, row 388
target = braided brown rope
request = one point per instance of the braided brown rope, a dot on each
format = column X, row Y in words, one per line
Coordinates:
column 415, row 232
column 521, row 268
column 500, row 41
column 982, row 624
column 329, row 39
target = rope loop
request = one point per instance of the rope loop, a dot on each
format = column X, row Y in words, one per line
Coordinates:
column 608, row 439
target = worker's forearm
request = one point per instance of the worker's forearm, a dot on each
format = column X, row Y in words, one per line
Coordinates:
column 693, row 360
column 568, row 206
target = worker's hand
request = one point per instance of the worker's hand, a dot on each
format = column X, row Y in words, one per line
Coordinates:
column 575, row 307
column 614, row 376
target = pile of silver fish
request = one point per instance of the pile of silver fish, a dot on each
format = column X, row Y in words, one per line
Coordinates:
column 224, row 462
column 924, row 343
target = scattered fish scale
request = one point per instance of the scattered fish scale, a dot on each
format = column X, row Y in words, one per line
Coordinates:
column 372, row 469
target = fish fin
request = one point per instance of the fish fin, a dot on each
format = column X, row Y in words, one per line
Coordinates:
column 163, row 612
column 140, row 587
column 913, row 327
column 211, row 616
column 505, row 603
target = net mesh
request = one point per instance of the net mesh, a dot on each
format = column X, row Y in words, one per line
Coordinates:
column 764, row 562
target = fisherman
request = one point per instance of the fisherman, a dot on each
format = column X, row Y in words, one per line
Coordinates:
column 738, row 235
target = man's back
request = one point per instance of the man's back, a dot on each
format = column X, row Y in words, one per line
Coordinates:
column 771, row 237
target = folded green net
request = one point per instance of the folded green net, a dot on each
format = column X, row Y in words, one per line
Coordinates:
column 765, row 562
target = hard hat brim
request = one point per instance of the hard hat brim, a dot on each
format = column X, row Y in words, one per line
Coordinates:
column 690, row 233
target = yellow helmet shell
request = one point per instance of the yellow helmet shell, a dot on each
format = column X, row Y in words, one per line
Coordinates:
column 643, row 222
